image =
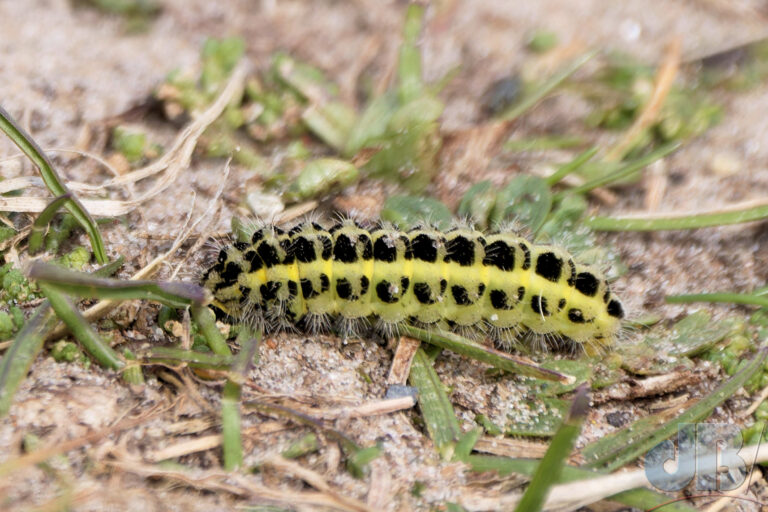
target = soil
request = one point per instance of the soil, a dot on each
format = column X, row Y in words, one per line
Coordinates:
column 66, row 69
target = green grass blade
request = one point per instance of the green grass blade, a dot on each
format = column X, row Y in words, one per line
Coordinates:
column 467, row 443
column 232, row 440
column 643, row 499
column 132, row 373
column 177, row 356
column 172, row 294
column 496, row 358
column 617, row 449
column 721, row 297
column 441, row 422
column 81, row 329
column 232, row 443
column 544, row 143
column 571, row 166
column 30, row 148
column 674, row 222
column 110, row 268
column 547, row 87
column 548, row 471
column 40, row 225
column 305, row 445
column 624, row 171
column 206, row 321
column 22, row 352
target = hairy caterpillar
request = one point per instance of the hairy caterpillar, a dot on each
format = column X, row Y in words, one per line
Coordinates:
column 497, row 283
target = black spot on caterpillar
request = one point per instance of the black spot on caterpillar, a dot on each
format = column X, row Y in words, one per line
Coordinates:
column 496, row 283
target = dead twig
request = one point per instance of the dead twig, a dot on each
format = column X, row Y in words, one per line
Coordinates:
column 198, row 444
column 510, row 447
column 315, row 480
column 401, row 363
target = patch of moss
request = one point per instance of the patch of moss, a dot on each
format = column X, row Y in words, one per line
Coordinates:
column 15, row 286
column 77, row 259
column 67, row 352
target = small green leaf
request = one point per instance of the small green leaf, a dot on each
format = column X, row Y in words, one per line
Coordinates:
column 565, row 221
column 466, row 443
column 130, row 142
column 424, row 110
column 542, row 41
column 478, row 202
column 372, row 124
column 409, row 211
column 544, row 143
column 331, row 122
column 525, row 199
column 320, row 177
column 357, row 464
column 219, row 58
column 697, row 333
column 303, row 78
column 303, row 446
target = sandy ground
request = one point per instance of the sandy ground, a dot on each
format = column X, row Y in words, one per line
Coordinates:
column 65, row 68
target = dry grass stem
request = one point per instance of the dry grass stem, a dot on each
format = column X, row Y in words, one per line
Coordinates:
column 727, row 498
column 656, row 181
column 401, row 363
column 380, row 493
column 511, row 447
column 663, row 84
column 198, row 444
column 744, row 205
column 178, row 156
column 760, row 398
column 173, row 162
column 376, row 408
column 649, row 386
column 296, row 211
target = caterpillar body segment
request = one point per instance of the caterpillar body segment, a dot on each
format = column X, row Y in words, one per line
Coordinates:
column 496, row 282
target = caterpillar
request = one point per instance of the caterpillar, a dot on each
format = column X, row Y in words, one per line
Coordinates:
column 496, row 283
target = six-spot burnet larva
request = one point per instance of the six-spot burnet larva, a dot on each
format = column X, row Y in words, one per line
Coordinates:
column 494, row 283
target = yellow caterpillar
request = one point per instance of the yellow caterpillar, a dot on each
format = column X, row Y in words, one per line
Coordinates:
column 497, row 282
